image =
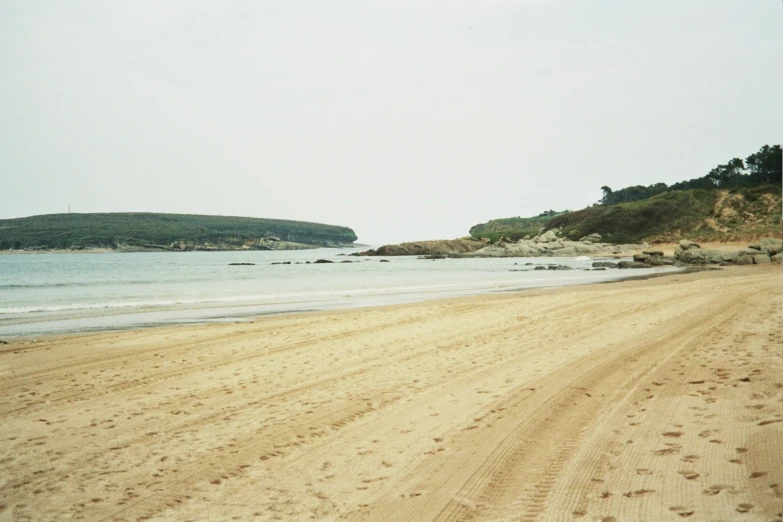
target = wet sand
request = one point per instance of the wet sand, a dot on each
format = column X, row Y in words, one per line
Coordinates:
column 659, row 399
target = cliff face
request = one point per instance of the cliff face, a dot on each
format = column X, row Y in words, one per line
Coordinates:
column 166, row 232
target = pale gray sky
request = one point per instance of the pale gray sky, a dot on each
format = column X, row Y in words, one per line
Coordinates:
column 404, row 120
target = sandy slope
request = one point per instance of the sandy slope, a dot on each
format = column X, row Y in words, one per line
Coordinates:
column 646, row 400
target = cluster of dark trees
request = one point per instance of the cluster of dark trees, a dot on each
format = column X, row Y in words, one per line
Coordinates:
column 762, row 168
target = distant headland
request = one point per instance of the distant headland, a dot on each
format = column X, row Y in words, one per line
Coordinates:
column 152, row 232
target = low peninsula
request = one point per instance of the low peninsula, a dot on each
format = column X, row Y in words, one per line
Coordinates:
column 152, row 232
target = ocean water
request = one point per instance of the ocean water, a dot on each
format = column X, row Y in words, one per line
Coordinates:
column 68, row 293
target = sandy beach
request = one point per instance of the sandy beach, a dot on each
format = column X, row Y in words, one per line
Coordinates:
column 659, row 400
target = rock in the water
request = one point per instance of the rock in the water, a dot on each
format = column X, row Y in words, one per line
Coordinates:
column 559, row 267
column 632, row 264
column 653, row 252
column 241, row 264
column 604, row 264
column 321, row 261
column 384, row 261
column 744, row 260
column 540, row 267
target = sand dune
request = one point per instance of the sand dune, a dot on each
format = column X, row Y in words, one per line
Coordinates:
column 645, row 400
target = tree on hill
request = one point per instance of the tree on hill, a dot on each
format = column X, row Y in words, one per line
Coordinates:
column 766, row 166
column 761, row 168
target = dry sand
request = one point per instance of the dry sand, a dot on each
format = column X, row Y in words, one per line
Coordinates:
column 643, row 400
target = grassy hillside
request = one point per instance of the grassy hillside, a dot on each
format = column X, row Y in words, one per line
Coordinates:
column 702, row 214
column 162, row 231
column 513, row 228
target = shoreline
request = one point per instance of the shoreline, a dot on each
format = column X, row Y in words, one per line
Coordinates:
column 106, row 318
column 583, row 402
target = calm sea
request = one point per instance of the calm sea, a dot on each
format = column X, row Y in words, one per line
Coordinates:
column 67, row 293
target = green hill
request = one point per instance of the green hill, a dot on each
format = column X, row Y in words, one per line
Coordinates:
column 699, row 215
column 513, row 228
column 738, row 200
column 148, row 231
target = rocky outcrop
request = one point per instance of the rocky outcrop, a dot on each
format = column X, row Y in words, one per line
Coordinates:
column 428, row 248
column 632, row 264
column 655, row 258
column 765, row 251
column 550, row 244
column 546, row 244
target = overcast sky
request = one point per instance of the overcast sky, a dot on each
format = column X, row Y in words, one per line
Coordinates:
column 403, row 120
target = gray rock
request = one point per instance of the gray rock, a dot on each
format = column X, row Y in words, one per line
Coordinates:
column 653, row 252
column 321, row 261
column 761, row 259
column 686, row 245
column 632, row 264
column 771, row 245
column 693, row 256
column 744, row 260
column 604, row 264
column 539, row 267
column 591, row 238
column 660, row 260
column 776, row 259
column 559, row 267
column 750, row 251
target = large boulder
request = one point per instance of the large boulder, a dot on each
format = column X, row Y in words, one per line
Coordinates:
column 604, row 264
column 686, row 245
column 718, row 256
column 771, row 245
column 548, row 236
column 591, row 238
column 761, row 259
column 691, row 256
column 660, row 260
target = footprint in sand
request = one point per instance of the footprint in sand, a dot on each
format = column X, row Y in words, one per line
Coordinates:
column 744, row 508
column 717, row 488
column 682, row 511
column 638, row 493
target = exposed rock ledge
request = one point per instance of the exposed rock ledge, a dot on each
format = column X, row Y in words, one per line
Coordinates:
column 544, row 245
column 767, row 250
column 427, row 248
